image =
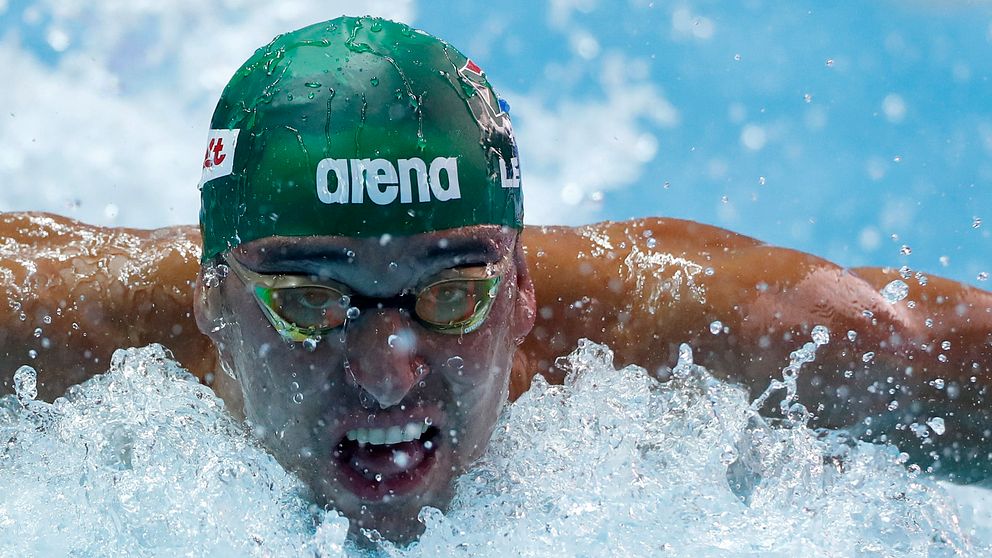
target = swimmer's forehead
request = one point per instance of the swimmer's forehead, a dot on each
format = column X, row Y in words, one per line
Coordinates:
column 480, row 244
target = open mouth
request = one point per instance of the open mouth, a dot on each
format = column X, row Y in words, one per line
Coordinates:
column 378, row 463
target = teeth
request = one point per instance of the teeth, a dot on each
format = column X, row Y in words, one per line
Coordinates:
column 384, row 436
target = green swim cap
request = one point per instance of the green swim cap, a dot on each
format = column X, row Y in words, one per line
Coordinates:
column 356, row 127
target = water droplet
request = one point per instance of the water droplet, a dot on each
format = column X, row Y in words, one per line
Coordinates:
column 946, row 345
column 352, row 313
column 737, row 57
column 928, row 322
column 983, row 276
column 905, row 250
column 385, row 239
column 852, row 335
column 937, row 424
column 312, row 84
column 905, row 272
column 26, row 384
column 374, row 81
column 37, row 332
column 47, row 319
column 716, row 327
column 895, row 291
column 709, row 271
column 652, row 243
column 893, row 405
column 213, row 275
column 976, row 222
column 830, row 62
column 942, row 357
column 724, row 199
column 821, row 335
column 808, row 97
column 298, row 398
column 311, row 343
column 762, row 180
column 944, row 261
column 897, row 159
column 868, row 357
column 456, row 362
column 938, row 383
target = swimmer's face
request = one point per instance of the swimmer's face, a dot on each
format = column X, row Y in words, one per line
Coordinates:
column 386, row 410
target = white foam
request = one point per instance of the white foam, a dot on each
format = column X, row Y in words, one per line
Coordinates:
column 143, row 460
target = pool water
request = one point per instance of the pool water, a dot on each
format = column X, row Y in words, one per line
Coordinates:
column 144, row 461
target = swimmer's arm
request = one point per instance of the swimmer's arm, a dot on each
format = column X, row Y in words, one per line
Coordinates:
column 591, row 282
column 73, row 293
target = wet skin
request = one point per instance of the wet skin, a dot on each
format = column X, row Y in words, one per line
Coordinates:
column 382, row 369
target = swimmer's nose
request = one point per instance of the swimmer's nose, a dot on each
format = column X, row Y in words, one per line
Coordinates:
column 382, row 356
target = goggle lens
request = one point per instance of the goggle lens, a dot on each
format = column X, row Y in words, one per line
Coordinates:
column 456, row 304
column 309, row 308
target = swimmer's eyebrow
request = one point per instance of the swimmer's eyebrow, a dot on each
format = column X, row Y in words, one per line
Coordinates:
column 298, row 258
column 463, row 251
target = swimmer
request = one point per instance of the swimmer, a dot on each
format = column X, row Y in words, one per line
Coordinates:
column 362, row 291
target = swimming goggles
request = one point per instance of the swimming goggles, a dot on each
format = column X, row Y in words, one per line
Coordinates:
column 299, row 307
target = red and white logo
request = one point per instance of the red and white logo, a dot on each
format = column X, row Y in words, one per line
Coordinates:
column 218, row 160
column 474, row 74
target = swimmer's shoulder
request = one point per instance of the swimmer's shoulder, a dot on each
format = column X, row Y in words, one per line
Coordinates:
column 34, row 230
column 661, row 233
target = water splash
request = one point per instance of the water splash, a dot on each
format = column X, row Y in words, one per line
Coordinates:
column 143, row 460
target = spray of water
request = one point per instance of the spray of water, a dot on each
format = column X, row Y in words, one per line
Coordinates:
column 145, row 461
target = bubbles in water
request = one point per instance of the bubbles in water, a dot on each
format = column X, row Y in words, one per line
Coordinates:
column 298, row 398
column 868, row 357
column 829, row 63
column 852, row 335
column 928, row 322
column 26, row 384
column 353, row 312
column 983, row 276
column 37, row 332
column 895, row 291
column 946, row 345
column 976, row 222
column 905, row 250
